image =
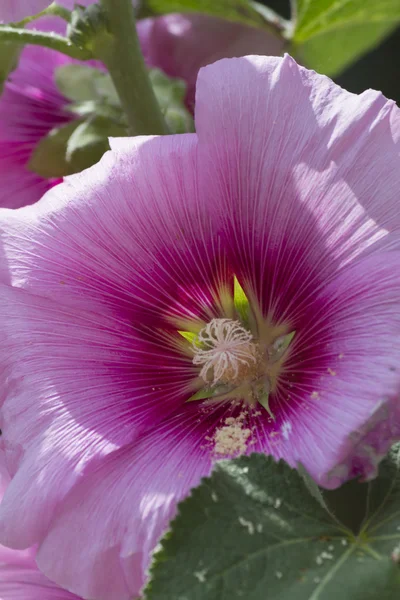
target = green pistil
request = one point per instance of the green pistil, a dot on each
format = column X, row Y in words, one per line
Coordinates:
column 263, row 399
column 189, row 336
column 241, row 302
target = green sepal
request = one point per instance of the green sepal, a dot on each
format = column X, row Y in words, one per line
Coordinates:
column 282, row 344
column 99, row 109
column 202, row 394
column 263, row 399
column 205, row 393
column 81, row 83
column 89, row 141
column 73, row 147
column 49, row 157
column 87, row 26
column 9, row 55
column 189, row 336
column 170, row 94
column 241, row 302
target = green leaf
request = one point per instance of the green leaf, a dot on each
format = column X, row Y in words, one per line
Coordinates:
column 312, row 486
column 253, row 530
column 81, row 83
column 317, row 16
column 329, row 34
column 49, row 157
column 9, row 55
column 240, row 11
column 264, row 401
column 74, row 147
column 89, row 141
column 170, row 93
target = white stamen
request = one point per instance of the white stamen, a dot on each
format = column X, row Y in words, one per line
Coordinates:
column 222, row 347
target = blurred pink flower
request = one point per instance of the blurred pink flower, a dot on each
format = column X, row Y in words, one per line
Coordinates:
column 181, row 44
column 30, row 107
column 289, row 187
column 31, row 104
column 12, row 11
column 16, row 10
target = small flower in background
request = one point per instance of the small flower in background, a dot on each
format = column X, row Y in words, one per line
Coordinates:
column 181, row 44
column 37, row 119
column 12, row 11
column 16, row 10
column 196, row 297
column 30, row 107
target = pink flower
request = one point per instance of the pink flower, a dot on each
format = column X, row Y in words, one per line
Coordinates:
column 12, row 11
column 16, row 10
column 20, row 577
column 30, row 107
column 181, row 44
column 289, row 189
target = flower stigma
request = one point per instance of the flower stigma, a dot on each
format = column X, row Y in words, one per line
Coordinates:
column 226, row 351
column 235, row 365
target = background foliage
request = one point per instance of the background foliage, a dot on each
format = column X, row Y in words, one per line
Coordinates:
column 378, row 68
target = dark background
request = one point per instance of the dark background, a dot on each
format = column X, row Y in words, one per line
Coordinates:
column 379, row 69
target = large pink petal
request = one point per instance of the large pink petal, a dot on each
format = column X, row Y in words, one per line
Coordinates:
column 20, row 578
column 283, row 145
column 76, row 386
column 342, row 432
column 130, row 235
column 28, row 583
column 19, row 186
column 101, row 544
column 339, row 399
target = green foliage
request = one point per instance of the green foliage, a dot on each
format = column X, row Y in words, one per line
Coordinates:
column 253, row 530
column 81, row 83
column 318, row 16
column 95, row 104
column 81, row 143
column 170, row 94
column 240, row 11
column 49, row 157
column 89, row 141
column 9, row 54
column 74, row 147
column 329, row 34
column 331, row 51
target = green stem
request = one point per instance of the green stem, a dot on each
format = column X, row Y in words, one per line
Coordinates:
column 40, row 38
column 54, row 10
column 120, row 52
column 273, row 23
column 58, row 11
